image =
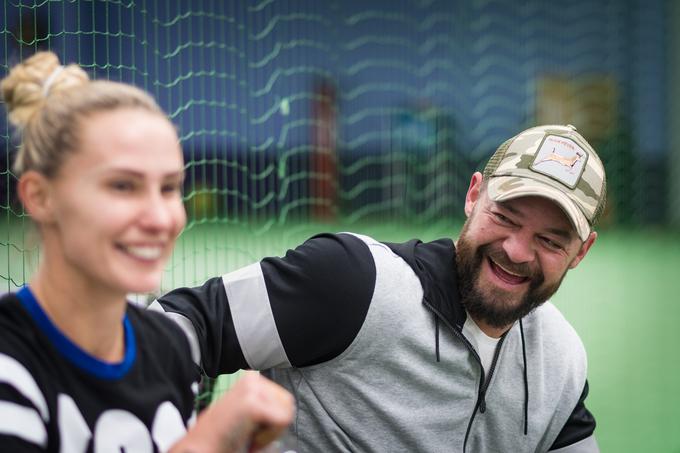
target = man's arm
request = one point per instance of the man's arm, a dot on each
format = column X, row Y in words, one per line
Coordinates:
column 299, row 310
column 577, row 434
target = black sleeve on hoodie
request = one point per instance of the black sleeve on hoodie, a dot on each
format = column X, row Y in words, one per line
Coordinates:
column 581, row 424
column 319, row 295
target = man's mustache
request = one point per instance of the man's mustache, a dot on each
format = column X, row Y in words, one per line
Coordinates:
column 501, row 258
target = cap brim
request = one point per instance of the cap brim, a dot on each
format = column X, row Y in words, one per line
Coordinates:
column 532, row 187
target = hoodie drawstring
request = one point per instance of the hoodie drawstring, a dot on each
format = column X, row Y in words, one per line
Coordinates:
column 526, row 381
column 436, row 336
column 482, row 394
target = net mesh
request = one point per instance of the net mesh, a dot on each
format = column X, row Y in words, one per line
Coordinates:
column 300, row 116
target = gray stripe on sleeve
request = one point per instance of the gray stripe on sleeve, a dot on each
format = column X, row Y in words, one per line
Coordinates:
column 253, row 318
column 187, row 327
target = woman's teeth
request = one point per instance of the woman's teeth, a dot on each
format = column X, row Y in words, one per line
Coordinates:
column 145, row 252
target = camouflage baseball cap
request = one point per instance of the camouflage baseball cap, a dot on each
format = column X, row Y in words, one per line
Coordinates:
column 553, row 162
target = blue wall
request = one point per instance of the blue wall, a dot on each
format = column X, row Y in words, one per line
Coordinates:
column 240, row 79
column 224, row 67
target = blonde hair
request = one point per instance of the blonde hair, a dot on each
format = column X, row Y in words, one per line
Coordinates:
column 47, row 102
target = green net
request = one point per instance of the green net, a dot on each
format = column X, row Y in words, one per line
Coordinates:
column 302, row 116
column 298, row 115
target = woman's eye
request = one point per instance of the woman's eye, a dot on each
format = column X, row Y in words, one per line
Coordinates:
column 122, row 186
column 171, row 188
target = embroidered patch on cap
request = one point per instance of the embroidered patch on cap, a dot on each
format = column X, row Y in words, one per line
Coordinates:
column 560, row 158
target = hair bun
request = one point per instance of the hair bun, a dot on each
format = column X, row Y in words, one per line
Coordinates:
column 26, row 87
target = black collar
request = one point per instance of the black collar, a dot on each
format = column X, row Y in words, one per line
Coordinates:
column 435, row 265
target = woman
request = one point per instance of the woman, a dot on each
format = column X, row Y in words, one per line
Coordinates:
column 81, row 369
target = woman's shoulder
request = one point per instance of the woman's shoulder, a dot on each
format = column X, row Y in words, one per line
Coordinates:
column 15, row 323
column 155, row 331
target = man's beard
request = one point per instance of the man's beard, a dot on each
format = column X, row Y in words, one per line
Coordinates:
column 491, row 304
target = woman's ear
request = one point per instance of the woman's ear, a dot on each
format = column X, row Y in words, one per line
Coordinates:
column 34, row 193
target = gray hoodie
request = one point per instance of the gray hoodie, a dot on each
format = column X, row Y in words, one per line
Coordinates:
column 381, row 363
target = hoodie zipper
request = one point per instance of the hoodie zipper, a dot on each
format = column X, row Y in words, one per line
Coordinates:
column 484, row 382
column 481, row 397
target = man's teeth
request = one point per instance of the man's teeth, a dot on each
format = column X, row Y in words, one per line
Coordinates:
column 145, row 252
column 509, row 272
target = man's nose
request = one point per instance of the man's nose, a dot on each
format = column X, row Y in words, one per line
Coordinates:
column 519, row 248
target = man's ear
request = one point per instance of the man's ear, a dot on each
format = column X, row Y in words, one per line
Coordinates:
column 584, row 249
column 473, row 193
column 34, row 193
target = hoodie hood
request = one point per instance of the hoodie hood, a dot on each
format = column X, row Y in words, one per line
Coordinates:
column 435, row 265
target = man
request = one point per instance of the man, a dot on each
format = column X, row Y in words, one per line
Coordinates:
column 430, row 347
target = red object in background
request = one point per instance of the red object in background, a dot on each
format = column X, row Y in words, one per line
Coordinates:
column 324, row 178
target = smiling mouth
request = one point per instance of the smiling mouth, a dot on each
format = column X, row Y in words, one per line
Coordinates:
column 146, row 253
column 505, row 275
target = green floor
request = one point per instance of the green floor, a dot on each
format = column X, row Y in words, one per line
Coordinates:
column 624, row 300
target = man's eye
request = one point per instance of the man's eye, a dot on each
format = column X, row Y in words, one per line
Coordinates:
column 502, row 219
column 552, row 244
